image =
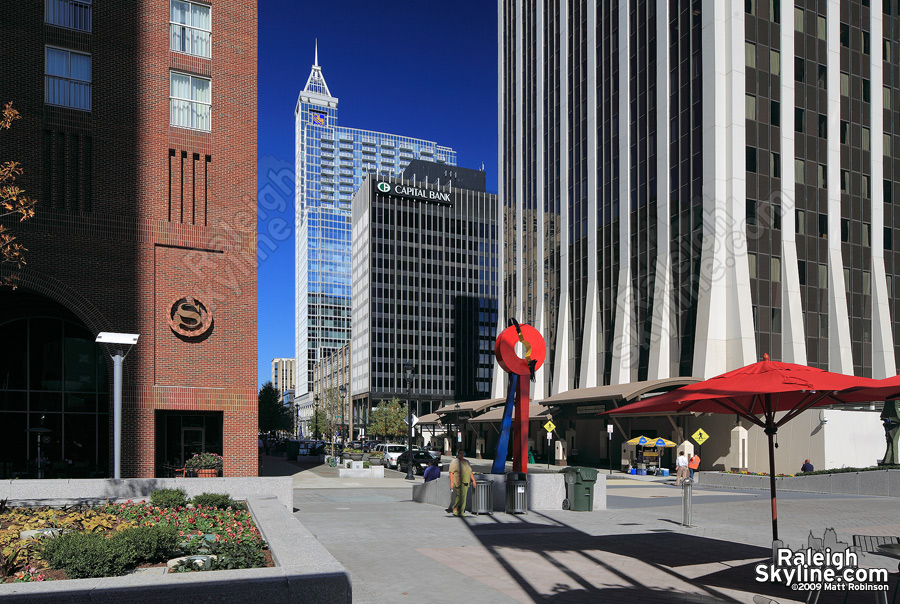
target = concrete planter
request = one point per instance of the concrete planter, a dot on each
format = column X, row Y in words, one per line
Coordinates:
column 305, row 571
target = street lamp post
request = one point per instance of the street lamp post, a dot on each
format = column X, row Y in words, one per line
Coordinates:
column 343, row 390
column 410, row 370
column 316, row 418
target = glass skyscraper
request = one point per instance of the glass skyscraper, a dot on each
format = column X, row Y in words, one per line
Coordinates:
column 330, row 164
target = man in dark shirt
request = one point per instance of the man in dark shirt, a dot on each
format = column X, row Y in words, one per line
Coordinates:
column 433, row 471
column 807, row 467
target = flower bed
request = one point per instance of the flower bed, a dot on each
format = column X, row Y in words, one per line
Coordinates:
column 113, row 539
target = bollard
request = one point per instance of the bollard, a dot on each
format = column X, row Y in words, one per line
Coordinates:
column 686, row 503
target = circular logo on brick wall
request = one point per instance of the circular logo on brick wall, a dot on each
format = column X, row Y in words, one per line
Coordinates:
column 384, row 187
column 189, row 317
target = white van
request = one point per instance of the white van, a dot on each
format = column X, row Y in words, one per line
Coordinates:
column 391, row 453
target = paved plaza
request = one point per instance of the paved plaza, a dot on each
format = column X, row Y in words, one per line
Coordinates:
column 635, row 551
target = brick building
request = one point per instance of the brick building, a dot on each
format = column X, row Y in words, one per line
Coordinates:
column 138, row 138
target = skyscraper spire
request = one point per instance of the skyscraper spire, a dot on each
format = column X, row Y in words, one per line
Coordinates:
column 316, row 82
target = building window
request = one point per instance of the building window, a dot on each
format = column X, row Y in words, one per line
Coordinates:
column 798, row 119
column 775, row 62
column 845, row 84
column 823, row 176
column 775, row 113
column 751, row 159
column 823, row 275
column 887, row 145
column 866, row 93
column 73, row 14
column 845, row 230
column 845, row 35
column 845, row 132
column 750, row 54
column 799, row 69
column 822, row 79
column 800, row 224
column 866, row 43
column 798, row 19
column 823, row 226
column 751, row 264
column 847, row 287
column 751, row 212
column 190, row 101
column 823, row 325
column 67, row 79
column 775, row 165
column 775, row 215
column 750, row 7
column 887, row 97
column 888, row 238
column 866, row 191
column 823, row 35
column 866, row 235
column 823, row 126
column 865, row 139
column 776, row 270
column 799, row 169
column 801, row 272
column 189, row 28
column 750, row 107
column 886, row 50
column 845, row 181
column 775, row 11
column 776, row 320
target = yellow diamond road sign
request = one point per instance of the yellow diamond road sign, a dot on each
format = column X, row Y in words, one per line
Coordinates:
column 700, row 436
column 549, row 426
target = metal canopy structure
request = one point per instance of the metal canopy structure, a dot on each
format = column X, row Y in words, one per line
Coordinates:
column 618, row 393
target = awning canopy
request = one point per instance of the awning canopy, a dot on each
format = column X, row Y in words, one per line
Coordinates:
column 430, row 418
column 470, row 406
column 619, row 393
column 535, row 412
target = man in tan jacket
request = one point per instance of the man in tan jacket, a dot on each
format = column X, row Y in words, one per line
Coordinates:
column 461, row 476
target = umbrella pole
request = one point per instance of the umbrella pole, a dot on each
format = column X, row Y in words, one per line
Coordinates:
column 770, row 431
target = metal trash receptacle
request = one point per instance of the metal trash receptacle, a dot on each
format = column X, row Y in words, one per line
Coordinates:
column 516, row 493
column 579, row 488
column 482, row 496
column 293, row 449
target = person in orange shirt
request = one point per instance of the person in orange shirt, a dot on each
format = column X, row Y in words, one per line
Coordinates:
column 694, row 464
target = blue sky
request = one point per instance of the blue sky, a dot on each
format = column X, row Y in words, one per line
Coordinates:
column 426, row 69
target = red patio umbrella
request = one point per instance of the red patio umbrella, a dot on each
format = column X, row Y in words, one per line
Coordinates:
column 884, row 390
column 764, row 388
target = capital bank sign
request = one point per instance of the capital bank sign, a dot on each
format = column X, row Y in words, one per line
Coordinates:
column 412, row 192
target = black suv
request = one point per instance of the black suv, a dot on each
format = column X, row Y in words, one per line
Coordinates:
column 421, row 460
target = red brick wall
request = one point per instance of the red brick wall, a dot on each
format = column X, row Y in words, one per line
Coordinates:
column 107, row 241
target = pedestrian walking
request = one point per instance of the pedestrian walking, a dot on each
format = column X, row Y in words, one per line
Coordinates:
column 694, row 464
column 681, row 468
column 461, row 477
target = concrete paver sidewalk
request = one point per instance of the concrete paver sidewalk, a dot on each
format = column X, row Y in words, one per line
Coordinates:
column 636, row 551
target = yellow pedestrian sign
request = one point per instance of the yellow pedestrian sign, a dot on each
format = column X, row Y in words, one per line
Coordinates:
column 700, row 436
column 549, row 426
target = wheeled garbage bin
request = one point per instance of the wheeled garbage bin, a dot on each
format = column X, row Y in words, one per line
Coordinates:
column 579, row 488
column 293, row 449
column 516, row 493
column 482, row 496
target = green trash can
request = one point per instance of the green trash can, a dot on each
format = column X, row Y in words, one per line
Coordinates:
column 579, row 488
column 293, row 449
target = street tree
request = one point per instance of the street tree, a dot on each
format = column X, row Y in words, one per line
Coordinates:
column 13, row 201
column 387, row 419
column 333, row 407
column 273, row 415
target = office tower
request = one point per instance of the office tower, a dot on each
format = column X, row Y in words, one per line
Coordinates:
column 688, row 185
column 331, row 162
column 424, row 292
column 138, row 140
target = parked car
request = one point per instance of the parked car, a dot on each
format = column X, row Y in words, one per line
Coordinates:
column 421, row 460
column 369, row 445
column 391, row 453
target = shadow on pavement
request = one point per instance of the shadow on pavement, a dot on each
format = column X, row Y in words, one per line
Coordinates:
column 672, row 557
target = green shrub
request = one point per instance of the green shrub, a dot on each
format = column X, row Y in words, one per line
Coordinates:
column 238, row 554
column 86, row 555
column 220, row 501
column 149, row 543
column 168, row 498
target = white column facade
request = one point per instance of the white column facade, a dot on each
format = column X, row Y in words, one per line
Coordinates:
column 661, row 328
column 793, row 338
column 724, row 338
column 624, row 320
column 883, row 363
column 840, row 353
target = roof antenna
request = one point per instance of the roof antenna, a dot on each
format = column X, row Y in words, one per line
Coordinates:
column 317, row 53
